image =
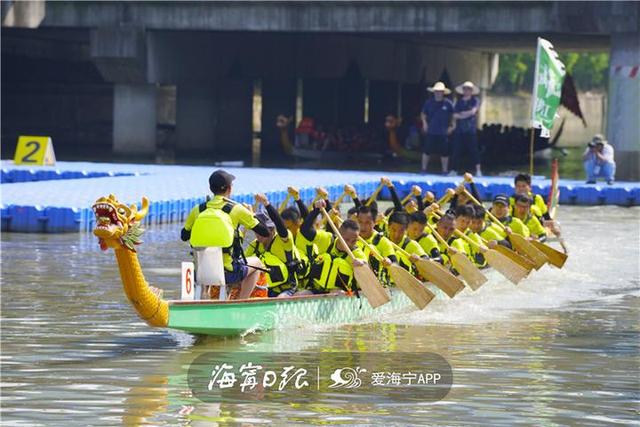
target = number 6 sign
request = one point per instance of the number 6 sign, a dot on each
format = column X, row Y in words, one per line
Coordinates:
column 188, row 291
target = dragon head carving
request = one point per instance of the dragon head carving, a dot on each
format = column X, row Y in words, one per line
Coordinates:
column 392, row 122
column 283, row 121
column 118, row 225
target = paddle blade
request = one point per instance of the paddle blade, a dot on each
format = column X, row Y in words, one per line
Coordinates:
column 522, row 261
column 412, row 287
column 469, row 272
column 525, row 247
column 556, row 258
column 509, row 269
column 370, row 286
column 439, row 276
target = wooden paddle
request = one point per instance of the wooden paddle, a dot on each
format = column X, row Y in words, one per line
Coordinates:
column 336, row 204
column 374, row 196
column 522, row 261
column 521, row 244
column 284, row 203
column 428, row 198
column 509, row 269
column 469, row 272
column 411, row 286
column 556, row 258
column 367, row 280
column 415, row 191
column 448, row 195
column 435, row 273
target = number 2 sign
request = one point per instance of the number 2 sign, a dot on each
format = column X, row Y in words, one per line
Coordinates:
column 35, row 150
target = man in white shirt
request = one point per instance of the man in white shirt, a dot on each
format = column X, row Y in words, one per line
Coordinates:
column 598, row 160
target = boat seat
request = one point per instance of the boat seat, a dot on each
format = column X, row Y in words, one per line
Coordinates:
column 209, row 269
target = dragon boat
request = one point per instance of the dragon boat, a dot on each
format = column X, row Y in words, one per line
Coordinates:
column 118, row 227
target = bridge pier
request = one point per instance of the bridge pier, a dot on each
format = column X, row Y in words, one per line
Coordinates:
column 623, row 121
column 196, row 115
column 134, row 119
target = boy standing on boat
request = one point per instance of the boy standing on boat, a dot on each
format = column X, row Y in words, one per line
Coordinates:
column 214, row 220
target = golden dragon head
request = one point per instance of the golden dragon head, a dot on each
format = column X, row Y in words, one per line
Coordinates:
column 118, row 225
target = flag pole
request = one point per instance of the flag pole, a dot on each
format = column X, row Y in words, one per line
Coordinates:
column 532, row 139
column 533, row 100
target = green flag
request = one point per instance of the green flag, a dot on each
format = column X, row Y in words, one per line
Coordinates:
column 547, row 87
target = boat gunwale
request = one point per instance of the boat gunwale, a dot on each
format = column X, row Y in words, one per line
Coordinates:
column 259, row 300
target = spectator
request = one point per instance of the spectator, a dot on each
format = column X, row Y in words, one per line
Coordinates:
column 465, row 138
column 598, row 160
column 437, row 124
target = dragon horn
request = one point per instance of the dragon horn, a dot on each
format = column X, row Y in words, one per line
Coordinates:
column 143, row 211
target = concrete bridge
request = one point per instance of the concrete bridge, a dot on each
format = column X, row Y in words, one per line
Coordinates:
column 198, row 67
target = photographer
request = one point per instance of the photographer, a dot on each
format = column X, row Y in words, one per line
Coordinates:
column 598, row 160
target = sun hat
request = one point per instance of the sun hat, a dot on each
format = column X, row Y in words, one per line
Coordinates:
column 439, row 86
column 475, row 89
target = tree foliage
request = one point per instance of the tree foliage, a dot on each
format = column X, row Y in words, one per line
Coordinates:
column 589, row 70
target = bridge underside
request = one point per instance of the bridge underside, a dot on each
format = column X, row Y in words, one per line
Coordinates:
column 139, row 78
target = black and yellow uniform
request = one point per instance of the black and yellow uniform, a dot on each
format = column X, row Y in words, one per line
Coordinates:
column 281, row 257
column 538, row 206
column 331, row 269
column 476, row 254
column 535, row 227
column 516, row 225
column 456, row 243
column 384, row 247
column 238, row 214
column 305, row 247
column 429, row 245
column 412, row 248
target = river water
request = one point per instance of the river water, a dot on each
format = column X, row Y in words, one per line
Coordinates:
column 560, row 348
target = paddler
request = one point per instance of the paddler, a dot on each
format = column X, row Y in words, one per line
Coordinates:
column 417, row 230
column 397, row 232
column 213, row 221
column 278, row 253
column 500, row 209
column 332, row 270
column 464, row 216
column 480, row 227
column 522, row 210
column 292, row 218
column 366, row 221
column 445, row 227
column 522, row 183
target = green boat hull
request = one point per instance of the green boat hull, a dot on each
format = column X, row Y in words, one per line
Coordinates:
column 229, row 318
